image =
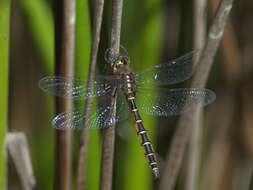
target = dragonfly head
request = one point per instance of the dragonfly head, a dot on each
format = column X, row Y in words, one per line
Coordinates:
column 120, row 64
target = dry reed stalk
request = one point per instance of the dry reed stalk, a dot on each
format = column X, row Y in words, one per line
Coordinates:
column 230, row 51
column 181, row 137
column 109, row 133
column 64, row 66
column 19, row 150
column 194, row 151
column 97, row 21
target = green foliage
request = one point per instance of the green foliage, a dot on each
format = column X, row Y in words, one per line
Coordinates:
column 83, row 39
column 4, row 64
column 40, row 22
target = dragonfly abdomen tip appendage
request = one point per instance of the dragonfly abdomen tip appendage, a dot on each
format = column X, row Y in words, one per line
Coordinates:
column 156, row 173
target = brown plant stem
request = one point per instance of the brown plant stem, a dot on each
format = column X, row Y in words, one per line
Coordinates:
column 82, row 161
column 64, row 66
column 194, row 150
column 230, row 51
column 218, row 165
column 17, row 145
column 181, row 137
column 109, row 133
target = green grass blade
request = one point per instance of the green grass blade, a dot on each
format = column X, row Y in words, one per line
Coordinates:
column 39, row 19
column 4, row 65
column 40, row 22
column 83, row 39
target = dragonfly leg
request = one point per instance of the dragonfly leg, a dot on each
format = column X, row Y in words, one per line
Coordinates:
column 114, row 91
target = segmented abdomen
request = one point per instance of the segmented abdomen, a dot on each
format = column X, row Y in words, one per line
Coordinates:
column 143, row 136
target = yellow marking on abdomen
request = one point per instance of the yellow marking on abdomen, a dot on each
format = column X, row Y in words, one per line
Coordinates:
column 146, row 143
column 150, row 154
column 141, row 132
column 138, row 121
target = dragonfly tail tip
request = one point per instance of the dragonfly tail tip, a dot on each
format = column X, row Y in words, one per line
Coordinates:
column 156, row 174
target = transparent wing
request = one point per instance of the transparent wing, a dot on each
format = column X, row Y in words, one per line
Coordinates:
column 168, row 102
column 100, row 116
column 172, row 72
column 75, row 88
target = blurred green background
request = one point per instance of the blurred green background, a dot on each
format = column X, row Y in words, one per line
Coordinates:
column 153, row 31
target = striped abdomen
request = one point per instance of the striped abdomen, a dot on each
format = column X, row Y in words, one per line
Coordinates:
column 144, row 138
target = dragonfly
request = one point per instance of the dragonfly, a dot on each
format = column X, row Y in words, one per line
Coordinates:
column 139, row 97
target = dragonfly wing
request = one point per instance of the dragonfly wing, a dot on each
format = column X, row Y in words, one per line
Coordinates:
column 168, row 102
column 76, row 88
column 100, row 116
column 171, row 72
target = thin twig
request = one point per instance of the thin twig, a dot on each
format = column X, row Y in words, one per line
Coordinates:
column 230, row 51
column 109, row 133
column 181, row 137
column 98, row 13
column 193, row 164
column 64, row 59
column 19, row 150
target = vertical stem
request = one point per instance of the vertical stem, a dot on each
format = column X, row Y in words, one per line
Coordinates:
column 193, row 160
column 4, row 69
column 64, row 58
column 109, row 133
column 181, row 137
column 230, row 50
column 98, row 13
column 18, row 148
column 117, row 6
column 199, row 20
column 193, row 164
